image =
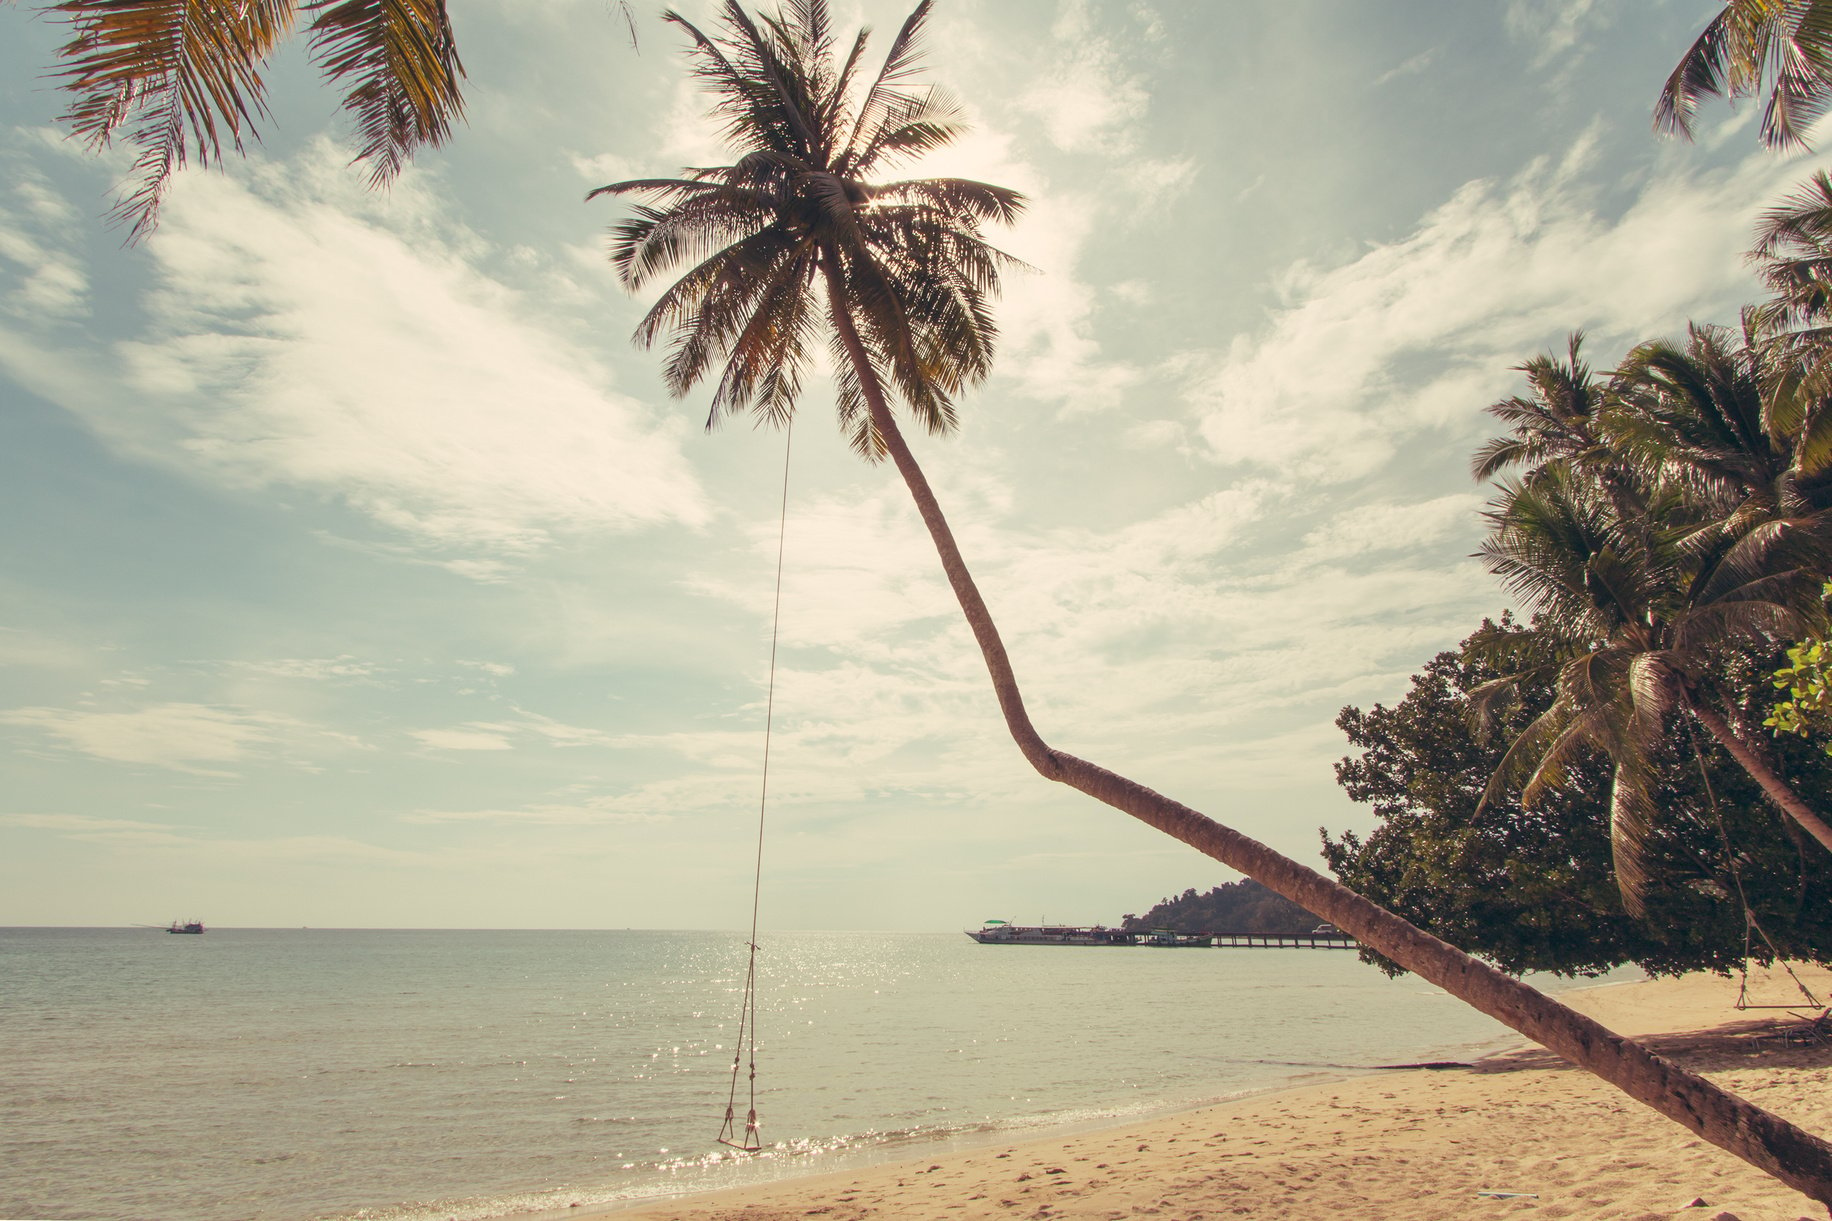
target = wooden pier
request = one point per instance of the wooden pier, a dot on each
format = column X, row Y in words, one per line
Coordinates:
column 998, row 932
column 1284, row 941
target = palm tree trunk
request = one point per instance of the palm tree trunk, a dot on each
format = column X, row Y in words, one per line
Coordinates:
column 1797, row 1158
column 1779, row 790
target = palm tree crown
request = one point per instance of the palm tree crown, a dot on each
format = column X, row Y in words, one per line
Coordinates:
column 906, row 271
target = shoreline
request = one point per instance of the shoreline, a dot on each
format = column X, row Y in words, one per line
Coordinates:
column 1517, row 1131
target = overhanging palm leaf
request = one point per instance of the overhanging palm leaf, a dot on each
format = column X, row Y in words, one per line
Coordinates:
column 183, row 80
column 182, row 77
column 1784, row 46
column 402, row 63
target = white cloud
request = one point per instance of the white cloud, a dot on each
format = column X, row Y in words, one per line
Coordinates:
column 503, row 734
column 560, row 734
column 314, row 668
column 858, row 568
column 1412, row 67
column 1087, row 100
column 1154, row 182
column 1047, row 318
column 1559, row 29
column 601, row 169
column 180, row 736
column 644, row 807
column 20, row 647
column 1368, row 529
column 471, row 737
column 307, row 335
column 77, row 824
column 1332, row 387
column 46, row 281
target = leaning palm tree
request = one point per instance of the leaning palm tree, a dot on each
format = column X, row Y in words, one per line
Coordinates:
column 1784, row 46
column 797, row 237
column 182, row 79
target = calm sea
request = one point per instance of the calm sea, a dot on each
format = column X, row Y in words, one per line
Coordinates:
column 304, row 1074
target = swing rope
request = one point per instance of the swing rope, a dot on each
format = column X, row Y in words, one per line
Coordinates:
column 1750, row 923
column 748, row 1140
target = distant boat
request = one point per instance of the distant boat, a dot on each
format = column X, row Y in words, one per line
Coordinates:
column 186, row 926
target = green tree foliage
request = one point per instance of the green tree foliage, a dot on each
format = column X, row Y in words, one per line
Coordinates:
column 1233, row 907
column 1530, row 886
column 1807, row 680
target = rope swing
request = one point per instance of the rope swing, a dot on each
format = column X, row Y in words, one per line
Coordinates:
column 748, row 1140
column 1750, row 924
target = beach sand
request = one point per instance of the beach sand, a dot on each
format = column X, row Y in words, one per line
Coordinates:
column 1400, row 1144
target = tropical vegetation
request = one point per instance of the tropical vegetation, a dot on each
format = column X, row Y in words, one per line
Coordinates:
column 1673, row 532
column 1530, row 885
column 1233, row 907
column 793, row 239
column 1668, row 526
column 185, row 79
column 1807, row 682
column 1665, row 528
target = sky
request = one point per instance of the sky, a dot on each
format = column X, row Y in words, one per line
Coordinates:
column 362, row 573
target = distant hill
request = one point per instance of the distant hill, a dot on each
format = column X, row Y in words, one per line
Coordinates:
column 1236, row 907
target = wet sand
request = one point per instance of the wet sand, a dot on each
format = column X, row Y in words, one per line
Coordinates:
column 1517, row 1134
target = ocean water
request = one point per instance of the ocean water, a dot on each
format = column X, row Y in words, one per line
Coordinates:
column 411, row 1075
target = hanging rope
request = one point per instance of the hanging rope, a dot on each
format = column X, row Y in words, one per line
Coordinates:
column 747, row 1139
column 1750, row 923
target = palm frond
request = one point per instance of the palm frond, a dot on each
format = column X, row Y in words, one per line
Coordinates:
column 1770, row 556
column 954, row 198
column 850, row 409
column 901, row 62
column 654, row 240
column 1556, row 423
column 771, row 74
column 1711, row 67
column 181, row 77
column 1783, row 43
column 1631, row 827
column 402, row 64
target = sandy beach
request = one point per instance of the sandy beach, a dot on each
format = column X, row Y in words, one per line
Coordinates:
column 1517, row 1134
